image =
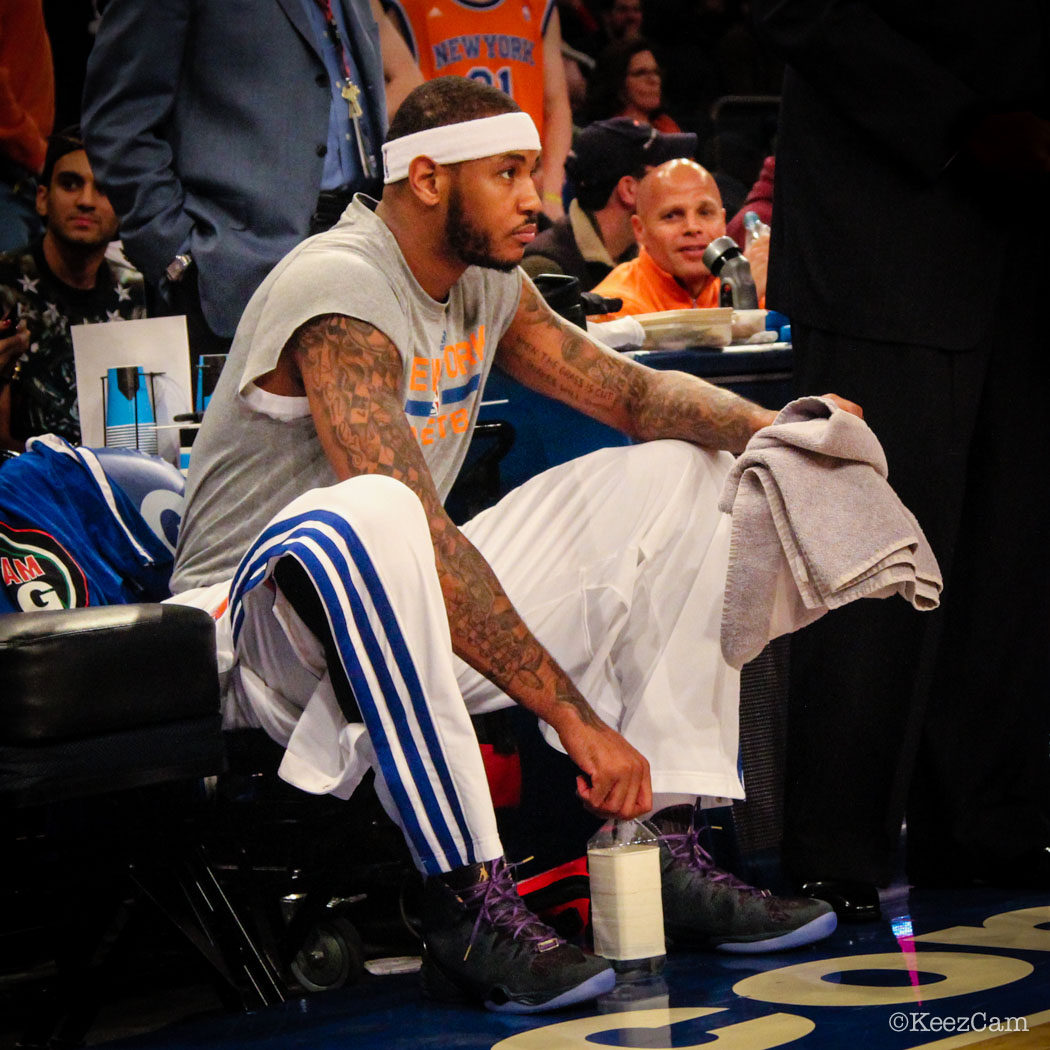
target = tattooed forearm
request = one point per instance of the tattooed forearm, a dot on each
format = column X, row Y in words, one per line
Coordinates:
column 682, row 406
column 567, row 696
column 543, row 352
column 562, row 362
column 351, row 373
column 489, row 634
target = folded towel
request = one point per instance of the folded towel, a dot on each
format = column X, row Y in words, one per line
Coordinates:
column 810, row 493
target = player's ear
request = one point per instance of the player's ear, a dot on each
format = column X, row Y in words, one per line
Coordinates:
column 426, row 177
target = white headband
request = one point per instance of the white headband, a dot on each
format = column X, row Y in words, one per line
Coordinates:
column 468, row 140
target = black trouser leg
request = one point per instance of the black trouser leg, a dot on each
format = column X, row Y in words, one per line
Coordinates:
column 298, row 588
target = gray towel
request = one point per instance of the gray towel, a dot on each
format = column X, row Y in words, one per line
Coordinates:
column 811, row 491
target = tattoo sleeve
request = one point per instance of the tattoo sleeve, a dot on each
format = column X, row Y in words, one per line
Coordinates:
column 351, row 373
column 558, row 359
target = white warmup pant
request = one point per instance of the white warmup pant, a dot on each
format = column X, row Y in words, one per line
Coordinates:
column 616, row 561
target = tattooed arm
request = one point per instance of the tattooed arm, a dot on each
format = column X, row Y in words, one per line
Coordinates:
column 351, row 373
column 548, row 355
column 544, row 353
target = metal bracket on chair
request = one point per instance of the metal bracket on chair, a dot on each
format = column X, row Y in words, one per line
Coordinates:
column 192, row 898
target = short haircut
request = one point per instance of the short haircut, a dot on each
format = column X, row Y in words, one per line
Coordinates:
column 68, row 140
column 447, row 100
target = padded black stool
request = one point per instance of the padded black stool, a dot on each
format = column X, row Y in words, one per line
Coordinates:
column 102, row 699
column 120, row 705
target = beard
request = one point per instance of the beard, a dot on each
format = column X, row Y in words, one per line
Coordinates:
column 83, row 241
column 469, row 244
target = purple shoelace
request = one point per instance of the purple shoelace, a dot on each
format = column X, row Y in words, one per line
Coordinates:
column 685, row 846
column 499, row 904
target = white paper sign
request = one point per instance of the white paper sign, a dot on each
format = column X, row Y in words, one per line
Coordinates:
column 160, row 346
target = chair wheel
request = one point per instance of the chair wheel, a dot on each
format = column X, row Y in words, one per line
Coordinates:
column 332, row 956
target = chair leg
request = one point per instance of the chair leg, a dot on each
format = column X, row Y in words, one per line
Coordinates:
column 189, row 894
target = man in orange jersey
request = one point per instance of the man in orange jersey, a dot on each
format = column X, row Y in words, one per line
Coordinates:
column 514, row 45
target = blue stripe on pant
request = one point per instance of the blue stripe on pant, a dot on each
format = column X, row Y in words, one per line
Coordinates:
column 411, row 760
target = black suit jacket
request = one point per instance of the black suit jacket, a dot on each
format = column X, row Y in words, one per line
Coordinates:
column 883, row 230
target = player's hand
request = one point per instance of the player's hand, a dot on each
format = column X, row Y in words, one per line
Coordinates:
column 614, row 778
column 846, row 406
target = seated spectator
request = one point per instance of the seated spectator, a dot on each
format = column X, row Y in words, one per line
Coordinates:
column 609, row 158
column 622, row 19
column 60, row 279
column 678, row 214
column 616, row 20
column 627, row 81
column 584, row 37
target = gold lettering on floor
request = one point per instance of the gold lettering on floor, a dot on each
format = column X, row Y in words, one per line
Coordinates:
column 759, row 1033
column 808, row 984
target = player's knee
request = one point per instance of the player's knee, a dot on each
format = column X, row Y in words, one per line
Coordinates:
column 678, row 461
column 386, row 508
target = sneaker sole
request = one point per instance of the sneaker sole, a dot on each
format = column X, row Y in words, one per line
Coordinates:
column 594, row 986
column 814, row 930
column 440, row 986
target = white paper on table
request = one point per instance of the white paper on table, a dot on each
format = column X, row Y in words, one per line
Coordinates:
column 159, row 345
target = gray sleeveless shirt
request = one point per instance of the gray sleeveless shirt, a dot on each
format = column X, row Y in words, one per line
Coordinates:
column 257, row 451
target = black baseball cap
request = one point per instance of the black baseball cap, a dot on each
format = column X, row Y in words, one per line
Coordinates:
column 605, row 151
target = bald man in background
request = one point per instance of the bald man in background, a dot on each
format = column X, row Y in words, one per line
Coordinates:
column 678, row 213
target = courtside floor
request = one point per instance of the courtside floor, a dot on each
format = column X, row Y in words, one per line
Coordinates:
column 944, row 969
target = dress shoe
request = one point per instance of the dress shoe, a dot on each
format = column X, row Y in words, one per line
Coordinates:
column 852, row 901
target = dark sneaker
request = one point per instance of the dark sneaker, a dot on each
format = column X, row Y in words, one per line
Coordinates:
column 482, row 943
column 707, row 907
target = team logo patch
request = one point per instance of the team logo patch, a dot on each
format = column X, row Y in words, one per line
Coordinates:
column 38, row 573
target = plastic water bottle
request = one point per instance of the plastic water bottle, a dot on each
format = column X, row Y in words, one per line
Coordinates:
column 627, row 915
column 754, row 228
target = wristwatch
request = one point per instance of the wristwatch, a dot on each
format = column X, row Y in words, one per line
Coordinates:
column 178, row 266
